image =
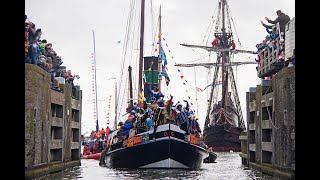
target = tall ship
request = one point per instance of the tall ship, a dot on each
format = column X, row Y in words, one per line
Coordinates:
column 224, row 121
column 164, row 145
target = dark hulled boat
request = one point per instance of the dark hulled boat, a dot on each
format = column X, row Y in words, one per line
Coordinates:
column 169, row 146
column 168, row 150
column 223, row 132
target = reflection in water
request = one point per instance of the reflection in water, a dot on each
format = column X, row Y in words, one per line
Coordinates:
column 227, row 167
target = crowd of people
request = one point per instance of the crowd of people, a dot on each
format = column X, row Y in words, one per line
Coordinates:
column 97, row 141
column 149, row 116
column 41, row 53
column 274, row 40
column 142, row 117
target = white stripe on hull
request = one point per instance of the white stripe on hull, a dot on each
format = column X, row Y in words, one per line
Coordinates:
column 167, row 163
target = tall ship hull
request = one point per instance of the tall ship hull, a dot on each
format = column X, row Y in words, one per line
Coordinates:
column 222, row 139
column 223, row 132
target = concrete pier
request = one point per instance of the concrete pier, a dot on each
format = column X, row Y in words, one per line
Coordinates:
column 52, row 124
column 269, row 143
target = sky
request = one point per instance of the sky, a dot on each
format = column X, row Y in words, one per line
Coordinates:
column 69, row 26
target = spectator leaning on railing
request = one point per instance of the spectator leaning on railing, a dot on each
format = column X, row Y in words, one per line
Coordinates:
column 41, row 53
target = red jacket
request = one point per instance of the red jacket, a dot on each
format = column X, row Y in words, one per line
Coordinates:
column 86, row 150
column 94, row 148
column 215, row 42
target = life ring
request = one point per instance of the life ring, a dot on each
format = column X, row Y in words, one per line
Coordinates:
column 165, row 134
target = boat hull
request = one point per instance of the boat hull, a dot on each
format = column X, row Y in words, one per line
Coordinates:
column 92, row 156
column 222, row 139
column 168, row 150
column 162, row 153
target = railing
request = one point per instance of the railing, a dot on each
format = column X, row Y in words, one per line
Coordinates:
column 268, row 57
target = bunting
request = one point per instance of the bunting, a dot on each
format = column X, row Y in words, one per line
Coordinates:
column 182, row 77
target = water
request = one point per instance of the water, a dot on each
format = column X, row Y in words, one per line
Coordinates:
column 227, row 167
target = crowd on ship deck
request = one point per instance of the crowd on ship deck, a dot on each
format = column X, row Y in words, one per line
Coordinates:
column 142, row 116
column 40, row 52
column 275, row 41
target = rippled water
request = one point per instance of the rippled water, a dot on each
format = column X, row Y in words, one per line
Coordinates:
column 227, row 167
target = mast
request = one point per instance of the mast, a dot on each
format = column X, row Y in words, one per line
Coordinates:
column 224, row 78
column 141, row 47
column 95, row 79
column 160, row 56
column 130, row 86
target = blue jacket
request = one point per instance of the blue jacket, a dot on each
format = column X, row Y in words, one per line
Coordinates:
column 154, row 96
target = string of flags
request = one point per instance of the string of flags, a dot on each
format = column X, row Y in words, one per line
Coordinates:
column 108, row 110
column 93, row 88
column 182, row 77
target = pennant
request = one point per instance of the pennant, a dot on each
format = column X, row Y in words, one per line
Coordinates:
column 181, row 76
column 163, row 56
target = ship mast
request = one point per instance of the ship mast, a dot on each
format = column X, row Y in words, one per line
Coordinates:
column 141, row 47
column 160, row 57
column 223, row 69
column 223, row 62
column 95, row 81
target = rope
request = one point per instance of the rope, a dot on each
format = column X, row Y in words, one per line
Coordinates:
column 125, row 49
column 234, row 26
column 269, row 113
column 209, row 26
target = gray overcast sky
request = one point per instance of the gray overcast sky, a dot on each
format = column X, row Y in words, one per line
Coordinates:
column 68, row 26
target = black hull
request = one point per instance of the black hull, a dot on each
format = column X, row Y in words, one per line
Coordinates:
column 161, row 153
column 223, row 139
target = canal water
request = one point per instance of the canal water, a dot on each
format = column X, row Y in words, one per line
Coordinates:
column 227, row 167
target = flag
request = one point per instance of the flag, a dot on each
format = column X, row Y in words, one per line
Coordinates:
column 141, row 99
column 163, row 57
column 165, row 74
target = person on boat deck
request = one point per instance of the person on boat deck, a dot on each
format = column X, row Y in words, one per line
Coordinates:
column 154, row 94
column 94, row 148
column 107, row 131
column 102, row 132
column 134, row 106
column 168, row 105
column 195, row 128
column 187, row 108
column 131, row 117
column 126, row 128
column 141, row 124
column 160, row 115
column 98, row 135
column 282, row 19
column 181, row 117
column 86, row 149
